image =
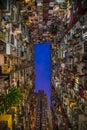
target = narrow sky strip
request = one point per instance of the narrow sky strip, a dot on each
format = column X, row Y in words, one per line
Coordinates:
column 42, row 63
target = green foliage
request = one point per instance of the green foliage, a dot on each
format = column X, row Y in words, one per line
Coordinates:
column 2, row 99
column 11, row 99
column 14, row 95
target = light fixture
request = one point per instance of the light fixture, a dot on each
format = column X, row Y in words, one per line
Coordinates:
column 27, row 1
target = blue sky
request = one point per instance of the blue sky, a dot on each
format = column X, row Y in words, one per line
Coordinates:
column 42, row 63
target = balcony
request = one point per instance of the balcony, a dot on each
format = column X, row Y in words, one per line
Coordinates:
column 84, row 69
column 39, row 8
column 84, row 58
column 85, row 46
column 2, row 47
column 83, row 109
column 5, row 6
column 46, row 1
column 6, row 122
column 45, row 9
column 4, row 125
column 5, row 69
column 45, row 16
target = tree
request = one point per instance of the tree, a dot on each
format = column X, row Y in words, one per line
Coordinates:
column 11, row 99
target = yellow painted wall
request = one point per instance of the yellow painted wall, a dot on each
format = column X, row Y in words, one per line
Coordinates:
column 8, row 118
column 1, row 59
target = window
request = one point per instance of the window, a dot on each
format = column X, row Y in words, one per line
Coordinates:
column 85, row 83
column 85, row 46
column 5, row 60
